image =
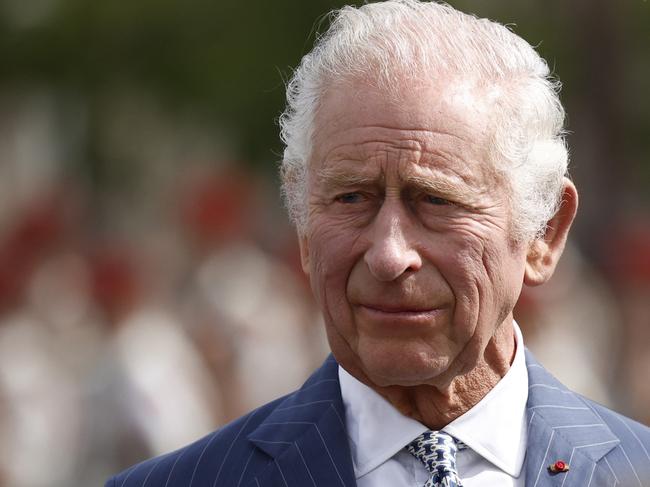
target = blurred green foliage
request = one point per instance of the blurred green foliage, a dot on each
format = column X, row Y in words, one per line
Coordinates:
column 227, row 61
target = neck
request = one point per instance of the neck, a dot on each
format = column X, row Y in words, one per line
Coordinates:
column 437, row 406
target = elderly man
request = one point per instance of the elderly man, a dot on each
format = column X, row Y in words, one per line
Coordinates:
column 425, row 171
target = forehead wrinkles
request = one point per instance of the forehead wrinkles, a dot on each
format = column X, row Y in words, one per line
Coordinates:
column 364, row 162
column 414, row 162
column 441, row 182
column 364, row 142
column 372, row 142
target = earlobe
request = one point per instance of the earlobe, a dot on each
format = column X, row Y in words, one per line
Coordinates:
column 544, row 253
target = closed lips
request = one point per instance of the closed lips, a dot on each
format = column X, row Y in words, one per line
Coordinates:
column 383, row 308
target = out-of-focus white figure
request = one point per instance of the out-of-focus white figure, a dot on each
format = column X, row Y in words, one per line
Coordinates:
column 167, row 387
column 47, row 341
column 45, row 349
column 159, row 381
column 257, row 311
column 41, row 405
column 273, row 353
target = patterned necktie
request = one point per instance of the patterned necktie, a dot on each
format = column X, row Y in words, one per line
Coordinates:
column 437, row 450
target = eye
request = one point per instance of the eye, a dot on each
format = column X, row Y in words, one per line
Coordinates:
column 436, row 200
column 350, row 198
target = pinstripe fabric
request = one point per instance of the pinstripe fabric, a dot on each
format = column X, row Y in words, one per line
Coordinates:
column 300, row 441
column 296, row 441
column 601, row 447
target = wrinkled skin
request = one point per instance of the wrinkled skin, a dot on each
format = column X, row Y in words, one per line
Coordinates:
column 408, row 246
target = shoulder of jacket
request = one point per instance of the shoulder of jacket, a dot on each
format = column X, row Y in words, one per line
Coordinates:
column 627, row 429
column 186, row 461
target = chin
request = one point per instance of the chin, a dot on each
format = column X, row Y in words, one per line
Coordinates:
column 402, row 367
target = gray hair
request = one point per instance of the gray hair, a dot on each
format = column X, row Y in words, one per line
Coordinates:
column 396, row 40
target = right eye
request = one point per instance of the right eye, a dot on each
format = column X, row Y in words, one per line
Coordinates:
column 350, row 198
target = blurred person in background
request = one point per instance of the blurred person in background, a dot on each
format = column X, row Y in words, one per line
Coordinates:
column 233, row 283
column 47, row 342
column 578, row 304
column 419, row 223
column 629, row 266
column 151, row 392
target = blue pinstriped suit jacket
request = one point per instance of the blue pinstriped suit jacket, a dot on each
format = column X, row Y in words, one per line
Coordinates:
column 300, row 441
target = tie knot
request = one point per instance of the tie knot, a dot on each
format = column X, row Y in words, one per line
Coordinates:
column 437, row 450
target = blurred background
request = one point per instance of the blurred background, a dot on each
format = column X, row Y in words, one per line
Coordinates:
column 150, row 288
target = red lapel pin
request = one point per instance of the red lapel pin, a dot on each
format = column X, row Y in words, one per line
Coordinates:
column 559, row 466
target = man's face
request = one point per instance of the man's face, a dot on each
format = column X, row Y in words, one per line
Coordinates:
column 407, row 243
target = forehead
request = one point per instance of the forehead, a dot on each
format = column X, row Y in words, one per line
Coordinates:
column 441, row 127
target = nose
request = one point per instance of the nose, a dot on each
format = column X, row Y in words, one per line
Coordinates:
column 391, row 253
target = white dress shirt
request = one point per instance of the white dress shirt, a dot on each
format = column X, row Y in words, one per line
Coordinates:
column 494, row 431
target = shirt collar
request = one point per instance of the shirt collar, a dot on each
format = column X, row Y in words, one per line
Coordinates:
column 495, row 427
column 502, row 410
column 365, row 410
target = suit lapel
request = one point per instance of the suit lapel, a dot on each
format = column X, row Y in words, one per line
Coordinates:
column 305, row 437
column 307, row 443
column 562, row 426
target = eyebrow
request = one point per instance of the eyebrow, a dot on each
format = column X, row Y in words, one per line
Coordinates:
column 438, row 185
column 340, row 178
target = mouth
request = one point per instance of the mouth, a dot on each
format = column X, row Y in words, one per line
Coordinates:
column 398, row 312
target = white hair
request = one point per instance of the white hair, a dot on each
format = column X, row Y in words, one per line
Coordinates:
column 390, row 42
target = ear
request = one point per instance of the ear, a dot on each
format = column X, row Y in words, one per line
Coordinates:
column 545, row 252
column 303, row 242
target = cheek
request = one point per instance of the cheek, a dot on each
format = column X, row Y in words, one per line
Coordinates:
column 460, row 265
column 331, row 261
column 485, row 277
column 459, row 257
column 481, row 255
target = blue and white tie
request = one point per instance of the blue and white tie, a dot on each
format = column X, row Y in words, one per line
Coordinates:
column 437, row 450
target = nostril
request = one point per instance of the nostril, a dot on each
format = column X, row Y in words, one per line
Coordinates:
column 386, row 264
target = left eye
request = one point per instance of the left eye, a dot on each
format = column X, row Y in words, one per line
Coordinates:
column 436, row 200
